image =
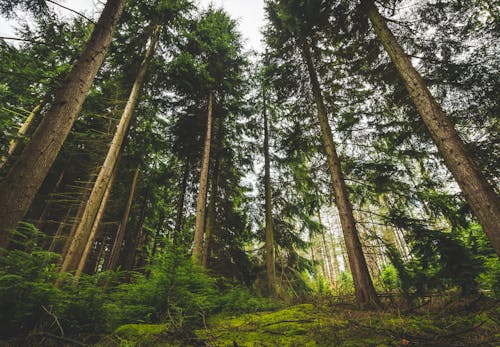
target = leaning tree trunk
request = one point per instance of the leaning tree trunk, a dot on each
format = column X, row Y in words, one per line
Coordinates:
column 364, row 290
column 120, row 233
column 81, row 236
column 269, row 244
column 24, row 179
column 22, row 132
column 482, row 198
column 202, row 190
column 95, row 226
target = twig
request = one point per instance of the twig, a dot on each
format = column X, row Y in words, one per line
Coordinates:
column 50, row 313
column 18, row 39
column 71, row 10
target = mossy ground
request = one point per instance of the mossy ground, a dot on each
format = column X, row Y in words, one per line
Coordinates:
column 457, row 324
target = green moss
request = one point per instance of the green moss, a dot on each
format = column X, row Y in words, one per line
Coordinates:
column 132, row 335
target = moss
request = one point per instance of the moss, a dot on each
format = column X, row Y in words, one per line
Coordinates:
column 132, row 335
column 309, row 325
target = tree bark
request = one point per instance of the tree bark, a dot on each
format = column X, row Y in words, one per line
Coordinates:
column 23, row 130
column 26, row 176
column 78, row 242
column 364, row 290
column 202, row 190
column 482, row 198
column 95, row 226
column 269, row 245
column 120, row 233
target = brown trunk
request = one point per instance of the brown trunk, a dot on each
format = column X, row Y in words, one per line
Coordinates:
column 364, row 290
column 79, row 241
column 202, row 190
column 180, row 202
column 21, row 133
column 24, row 179
column 211, row 221
column 269, row 246
column 479, row 194
column 136, row 241
column 122, row 228
column 95, row 226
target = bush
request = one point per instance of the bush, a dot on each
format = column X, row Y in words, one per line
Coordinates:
column 174, row 290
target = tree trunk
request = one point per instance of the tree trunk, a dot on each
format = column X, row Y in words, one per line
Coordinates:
column 269, row 245
column 120, row 233
column 202, row 190
column 24, row 179
column 136, row 240
column 23, row 130
column 79, row 241
column 477, row 191
column 335, row 260
column 328, row 258
column 95, row 226
column 364, row 290
column 79, row 213
column 180, row 203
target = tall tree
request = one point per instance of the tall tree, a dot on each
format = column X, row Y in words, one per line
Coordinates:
column 82, row 233
column 269, row 240
column 301, row 21
column 199, row 228
column 24, row 179
column 476, row 189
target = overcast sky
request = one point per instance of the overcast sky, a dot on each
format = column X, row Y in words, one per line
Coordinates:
column 249, row 13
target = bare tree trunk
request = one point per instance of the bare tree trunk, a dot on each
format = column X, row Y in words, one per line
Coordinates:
column 202, row 190
column 136, row 241
column 95, row 226
column 328, row 258
column 180, row 203
column 269, row 246
column 79, row 241
column 364, row 290
column 23, row 130
column 120, row 233
column 211, row 220
column 335, row 260
column 478, row 192
column 24, row 179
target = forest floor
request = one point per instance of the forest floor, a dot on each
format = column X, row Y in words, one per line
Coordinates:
column 447, row 323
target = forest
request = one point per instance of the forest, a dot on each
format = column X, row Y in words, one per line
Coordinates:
column 163, row 185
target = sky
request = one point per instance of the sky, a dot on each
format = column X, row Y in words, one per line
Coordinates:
column 248, row 13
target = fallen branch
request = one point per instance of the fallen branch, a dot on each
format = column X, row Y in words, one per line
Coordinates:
column 290, row 321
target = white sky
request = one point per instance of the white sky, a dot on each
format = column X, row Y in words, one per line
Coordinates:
column 249, row 13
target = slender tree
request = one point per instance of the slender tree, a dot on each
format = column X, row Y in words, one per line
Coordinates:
column 24, row 179
column 269, row 243
column 82, row 233
column 202, row 188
